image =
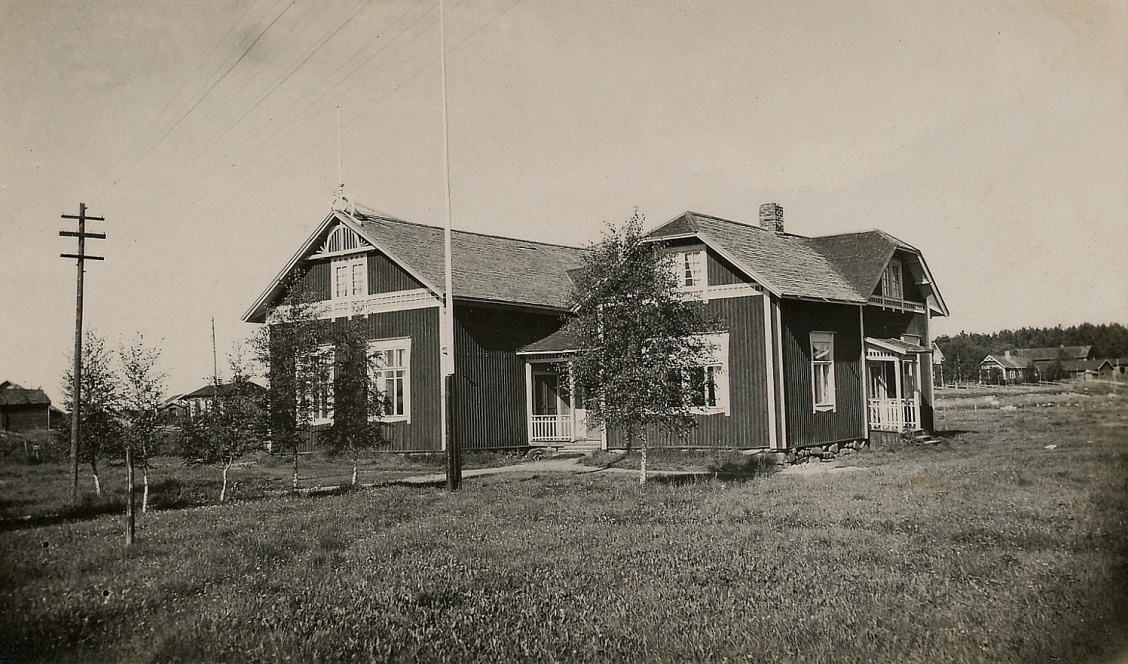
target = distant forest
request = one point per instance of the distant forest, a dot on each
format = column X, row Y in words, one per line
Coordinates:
column 964, row 352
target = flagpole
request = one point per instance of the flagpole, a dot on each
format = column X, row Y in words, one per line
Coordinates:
column 447, row 358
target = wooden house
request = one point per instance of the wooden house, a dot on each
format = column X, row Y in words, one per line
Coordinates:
column 825, row 339
column 197, row 402
column 1007, row 369
column 23, row 409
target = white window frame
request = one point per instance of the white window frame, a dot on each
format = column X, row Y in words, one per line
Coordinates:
column 324, row 415
column 690, row 269
column 822, row 372
column 343, row 274
column 377, row 348
column 893, row 280
column 718, row 363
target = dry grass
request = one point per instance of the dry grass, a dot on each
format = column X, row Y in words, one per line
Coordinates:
column 988, row 547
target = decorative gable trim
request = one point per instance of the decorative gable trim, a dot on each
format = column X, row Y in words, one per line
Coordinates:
column 341, row 241
column 257, row 311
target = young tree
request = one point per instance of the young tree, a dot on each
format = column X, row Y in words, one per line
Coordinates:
column 297, row 366
column 358, row 399
column 642, row 342
column 230, row 428
column 100, row 400
column 143, row 391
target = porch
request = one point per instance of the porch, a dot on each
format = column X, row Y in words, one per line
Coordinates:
column 556, row 415
column 893, row 373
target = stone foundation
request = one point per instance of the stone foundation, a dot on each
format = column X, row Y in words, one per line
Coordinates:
column 825, row 452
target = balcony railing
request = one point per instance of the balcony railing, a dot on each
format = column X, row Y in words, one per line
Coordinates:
column 897, row 303
column 548, row 428
column 894, row 414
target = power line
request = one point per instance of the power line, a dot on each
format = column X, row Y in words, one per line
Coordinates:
column 277, row 83
column 364, row 109
column 198, row 100
column 171, row 100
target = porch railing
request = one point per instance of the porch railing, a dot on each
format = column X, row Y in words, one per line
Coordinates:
column 894, row 414
column 551, row 428
column 897, row 303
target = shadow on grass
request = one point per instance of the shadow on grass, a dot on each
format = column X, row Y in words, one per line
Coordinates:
column 946, row 434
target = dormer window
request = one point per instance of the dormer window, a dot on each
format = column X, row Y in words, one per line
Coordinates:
column 689, row 269
column 350, row 277
column 891, row 284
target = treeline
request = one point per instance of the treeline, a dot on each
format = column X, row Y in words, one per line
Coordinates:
column 964, row 351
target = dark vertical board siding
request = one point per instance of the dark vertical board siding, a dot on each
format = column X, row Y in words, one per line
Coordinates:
column 888, row 324
column 424, row 432
column 385, row 276
column 316, row 280
column 722, row 272
column 490, row 411
column 927, row 415
column 746, row 425
column 804, row 425
column 777, row 366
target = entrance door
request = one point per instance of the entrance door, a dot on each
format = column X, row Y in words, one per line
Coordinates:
column 552, row 412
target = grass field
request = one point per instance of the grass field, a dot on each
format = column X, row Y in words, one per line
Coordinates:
column 989, row 547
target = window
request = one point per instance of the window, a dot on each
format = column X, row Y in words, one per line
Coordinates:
column 319, row 391
column 689, row 269
column 350, row 276
column 393, row 375
column 707, row 383
column 891, row 284
column 822, row 370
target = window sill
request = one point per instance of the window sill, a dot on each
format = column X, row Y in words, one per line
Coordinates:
column 825, row 408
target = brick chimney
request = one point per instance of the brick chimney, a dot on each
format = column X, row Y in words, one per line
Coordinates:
column 1006, row 353
column 771, row 217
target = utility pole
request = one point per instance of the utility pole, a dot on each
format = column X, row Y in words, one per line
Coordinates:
column 76, row 388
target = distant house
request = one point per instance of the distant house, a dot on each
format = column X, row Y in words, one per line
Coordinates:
column 1007, row 369
column 824, row 339
column 1045, row 358
column 24, row 409
column 937, row 366
column 197, row 402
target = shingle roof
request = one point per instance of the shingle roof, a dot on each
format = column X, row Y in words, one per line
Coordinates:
column 843, row 268
column 21, row 396
column 1058, row 353
column 859, row 257
column 558, row 342
column 486, row 267
column 209, row 391
column 785, row 263
column 837, row 267
column 1010, row 362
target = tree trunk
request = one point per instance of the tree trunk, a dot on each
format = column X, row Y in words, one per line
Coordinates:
column 223, row 489
column 145, row 484
column 355, row 463
column 129, row 491
column 97, row 481
column 295, row 483
column 642, row 466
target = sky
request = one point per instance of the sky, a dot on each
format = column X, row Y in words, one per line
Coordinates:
column 993, row 136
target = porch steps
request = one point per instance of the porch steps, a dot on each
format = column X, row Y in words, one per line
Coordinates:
column 580, row 446
column 924, row 438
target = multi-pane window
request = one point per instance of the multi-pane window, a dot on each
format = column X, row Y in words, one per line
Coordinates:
column 703, row 382
column 822, row 369
column 392, row 367
column 350, row 276
column 319, row 387
column 891, row 284
column 689, row 268
column 705, row 386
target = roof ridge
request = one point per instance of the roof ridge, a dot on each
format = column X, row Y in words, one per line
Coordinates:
column 747, row 225
column 383, row 217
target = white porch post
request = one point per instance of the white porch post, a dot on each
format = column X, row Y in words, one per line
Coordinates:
column 900, row 392
column 529, row 399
